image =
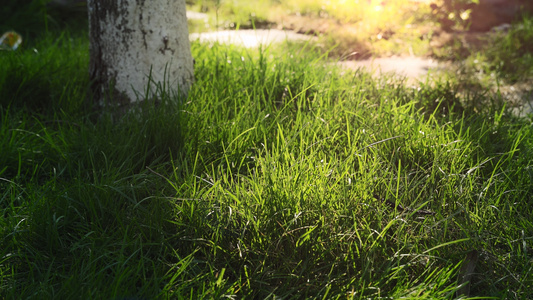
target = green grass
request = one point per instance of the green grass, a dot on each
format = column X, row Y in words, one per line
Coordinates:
column 280, row 177
column 508, row 57
column 499, row 70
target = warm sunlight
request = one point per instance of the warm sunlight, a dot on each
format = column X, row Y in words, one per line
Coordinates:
column 326, row 149
column 369, row 13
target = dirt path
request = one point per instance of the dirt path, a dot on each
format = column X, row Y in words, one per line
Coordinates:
column 413, row 68
column 250, row 38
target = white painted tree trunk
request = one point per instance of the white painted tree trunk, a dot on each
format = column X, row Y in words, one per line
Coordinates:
column 131, row 40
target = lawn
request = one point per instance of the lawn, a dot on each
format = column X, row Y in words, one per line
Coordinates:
column 281, row 177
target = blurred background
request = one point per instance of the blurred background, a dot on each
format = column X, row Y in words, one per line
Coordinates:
column 357, row 29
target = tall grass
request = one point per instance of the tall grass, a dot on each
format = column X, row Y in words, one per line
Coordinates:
column 279, row 177
column 511, row 56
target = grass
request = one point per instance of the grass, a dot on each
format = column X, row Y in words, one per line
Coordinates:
column 503, row 66
column 509, row 59
column 280, row 177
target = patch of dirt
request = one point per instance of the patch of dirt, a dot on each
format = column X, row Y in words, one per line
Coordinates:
column 412, row 68
column 519, row 97
column 457, row 45
column 353, row 47
column 491, row 13
column 250, row 38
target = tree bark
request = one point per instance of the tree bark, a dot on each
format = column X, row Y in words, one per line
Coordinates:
column 136, row 45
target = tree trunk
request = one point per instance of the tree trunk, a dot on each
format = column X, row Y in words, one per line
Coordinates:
column 136, row 44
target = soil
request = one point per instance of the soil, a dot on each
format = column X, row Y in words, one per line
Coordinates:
column 412, row 68
column 250, row 38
